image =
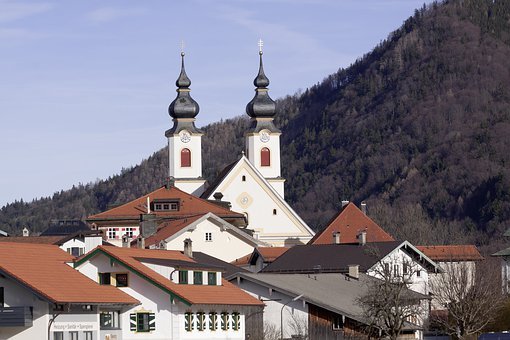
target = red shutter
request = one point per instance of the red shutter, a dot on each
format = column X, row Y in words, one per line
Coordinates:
column 265, row 157
column 185, row 158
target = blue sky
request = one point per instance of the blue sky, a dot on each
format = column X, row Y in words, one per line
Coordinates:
column 85, row 85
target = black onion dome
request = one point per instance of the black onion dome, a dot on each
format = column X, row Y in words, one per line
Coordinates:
column 183, row 106
column 261, row 105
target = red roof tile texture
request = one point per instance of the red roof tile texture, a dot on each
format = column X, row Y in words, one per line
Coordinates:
column 225, row 294
column 167, row 229
column 189, row 205
column 42, row 268
column 350, row 221
column 271, row 253
column 452, row 253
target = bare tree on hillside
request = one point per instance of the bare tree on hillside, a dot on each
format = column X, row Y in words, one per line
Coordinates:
column 471, row 297
column 389, row 304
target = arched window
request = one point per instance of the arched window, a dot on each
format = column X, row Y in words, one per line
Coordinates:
column 265, row 157
column 185, row 158
column 244, row 178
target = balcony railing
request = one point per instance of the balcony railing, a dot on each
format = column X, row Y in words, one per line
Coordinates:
column 16, row 316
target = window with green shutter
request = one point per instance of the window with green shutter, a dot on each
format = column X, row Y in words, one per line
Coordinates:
column 188, row 321
column 213, row 321
column 142, row 322
column 236, row 321
column 224, row 321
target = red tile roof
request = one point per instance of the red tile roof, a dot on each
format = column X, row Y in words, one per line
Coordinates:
column 32, row 239
column 271, row 253
column 242, row 261
column 350, row 221
column 226, row 294
column 452, row 253
column 42, row 268
column 189, row 205
column 167, row 229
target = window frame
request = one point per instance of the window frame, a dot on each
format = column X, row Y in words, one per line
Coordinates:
column 101, row 278
column 185, row 158
column 214, row 281
column 198, row 273
column 126, row 284
column 183, row 274
column 208, row 236
column 265, row 157
column 58, row 335
column 115, row 319
column 337, row 323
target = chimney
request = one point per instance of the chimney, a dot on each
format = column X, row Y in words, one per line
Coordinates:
column 148, row 225
column 344, row 203
column 188, row 250
column 362, row 238
column 26, row 232
column 354, row 271
column 364, row 207
column 218, row 196
column 336, row 237
column 140, row 242
column 126, row 243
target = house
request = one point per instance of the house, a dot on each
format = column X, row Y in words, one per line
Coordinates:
column 314, row 306
column 164, row 204
column 180, row 298
column 376, row 258
column 259, row 258
column 42, row 297
column 348, row 225
column 208, row 233
column 76, row 244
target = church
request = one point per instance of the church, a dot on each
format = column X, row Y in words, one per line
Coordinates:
column 247, row 196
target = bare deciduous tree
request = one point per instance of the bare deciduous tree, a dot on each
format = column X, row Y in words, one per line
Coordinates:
column 470, row 295
column 388, row 303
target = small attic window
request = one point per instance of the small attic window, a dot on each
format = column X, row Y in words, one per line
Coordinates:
column 166, row 205
column 244, row 178
column 274, row 212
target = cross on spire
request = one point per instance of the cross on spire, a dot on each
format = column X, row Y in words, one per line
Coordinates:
column 261, row 44
column 182, row 46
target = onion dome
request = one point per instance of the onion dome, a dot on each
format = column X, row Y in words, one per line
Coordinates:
column 261, row 106
column 183, row 106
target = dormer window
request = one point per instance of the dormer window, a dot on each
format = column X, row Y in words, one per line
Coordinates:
column 166, row 205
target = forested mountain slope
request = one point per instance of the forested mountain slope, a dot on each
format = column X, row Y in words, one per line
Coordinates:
column 419, row 128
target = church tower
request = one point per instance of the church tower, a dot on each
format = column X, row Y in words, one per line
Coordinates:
column 263, row 138
column 185, row 139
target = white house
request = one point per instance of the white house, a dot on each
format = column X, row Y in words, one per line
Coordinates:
column 179, row 298
column 42, row 297
column 208, row 233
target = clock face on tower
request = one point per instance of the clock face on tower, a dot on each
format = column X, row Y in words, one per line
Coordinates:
column 264, row 136
column 185, row 136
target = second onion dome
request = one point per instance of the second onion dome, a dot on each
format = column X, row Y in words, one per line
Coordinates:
column 261, row 106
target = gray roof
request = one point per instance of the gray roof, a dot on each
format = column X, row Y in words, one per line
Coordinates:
column 336, row 258
column 504, row 252
column 335, row 292
column 331, row 291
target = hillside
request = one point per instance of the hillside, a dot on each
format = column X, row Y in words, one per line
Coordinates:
column 419, row 128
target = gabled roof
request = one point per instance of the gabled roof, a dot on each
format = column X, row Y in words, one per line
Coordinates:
column 336, row 258
column 350, row 221
column 268, row 254
column 231, row 168
column 169, row 230
column 452, row 253
column 42, row 268
column 221, row 176
column 189, row 205
column 132, row 258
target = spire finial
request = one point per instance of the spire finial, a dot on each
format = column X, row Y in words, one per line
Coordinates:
column 261, row 44
column 183, row 106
